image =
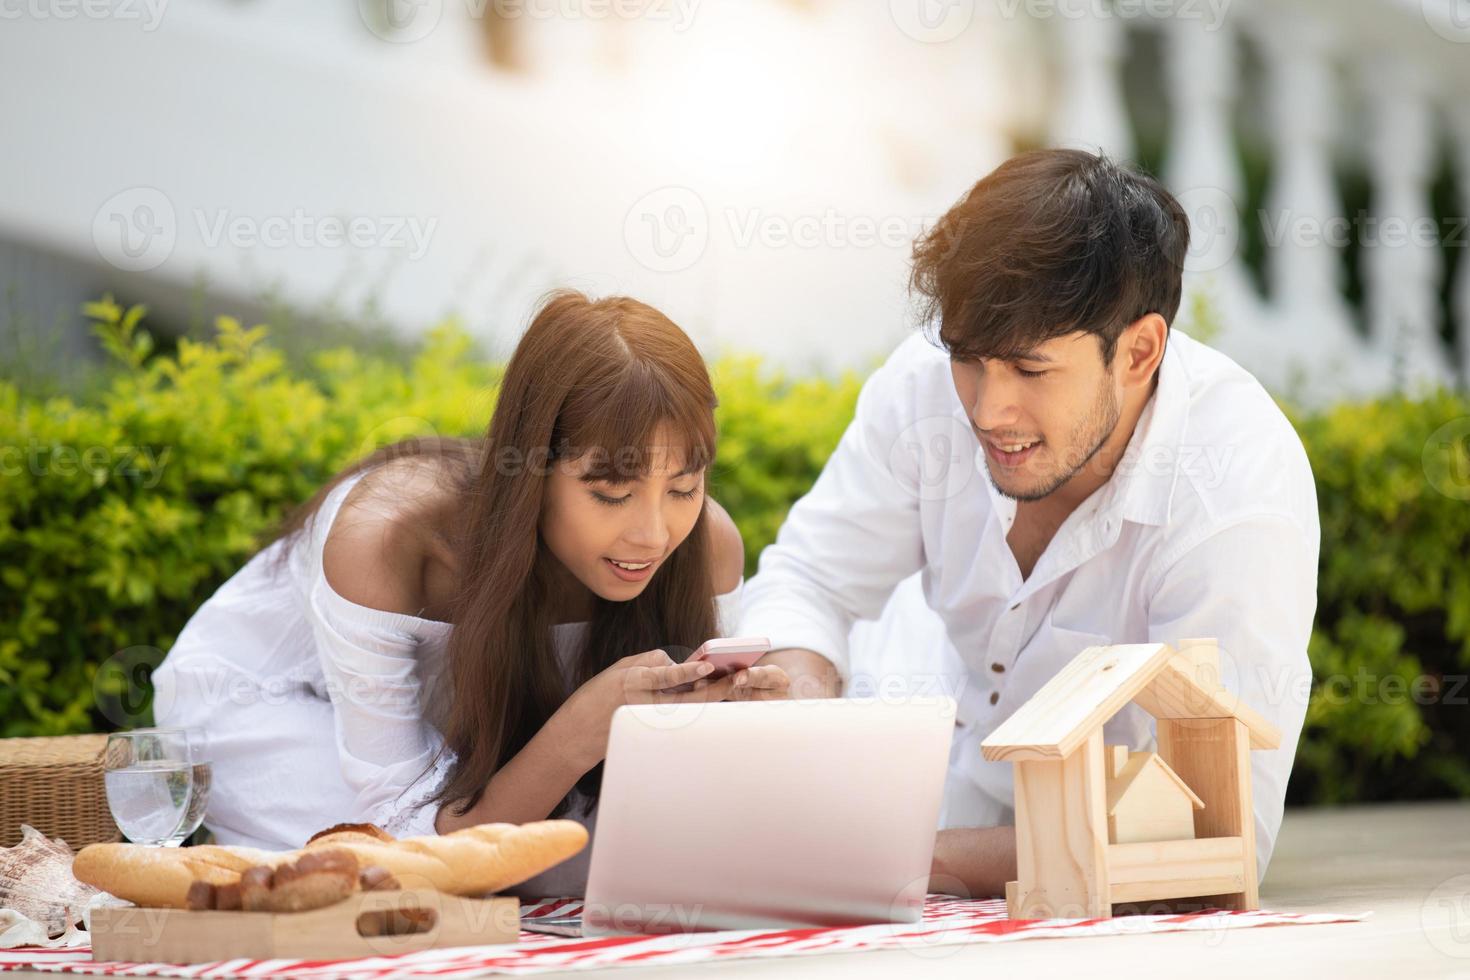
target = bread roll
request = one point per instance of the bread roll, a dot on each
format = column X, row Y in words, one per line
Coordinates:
column 359, row 831
column 254, row 890
column 411, row 868
column 317, row 879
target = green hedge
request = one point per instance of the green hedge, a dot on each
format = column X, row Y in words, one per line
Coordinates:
column 1391, row 649
column 119, row 515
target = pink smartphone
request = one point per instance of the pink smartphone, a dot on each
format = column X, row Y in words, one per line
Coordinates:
column 731, row 654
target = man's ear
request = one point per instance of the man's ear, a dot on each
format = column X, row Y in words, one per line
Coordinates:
column 1141, row 349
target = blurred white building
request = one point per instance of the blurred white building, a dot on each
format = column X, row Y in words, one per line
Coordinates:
column 757, row 168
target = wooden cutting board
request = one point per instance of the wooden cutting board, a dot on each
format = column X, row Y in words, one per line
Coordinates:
column 374, row 923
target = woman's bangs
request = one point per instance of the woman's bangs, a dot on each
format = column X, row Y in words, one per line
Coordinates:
column 620, row 430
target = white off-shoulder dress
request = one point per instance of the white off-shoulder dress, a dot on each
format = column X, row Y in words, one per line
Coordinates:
column 319, row 710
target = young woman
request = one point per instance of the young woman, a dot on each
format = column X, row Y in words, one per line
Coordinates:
column 440, row 636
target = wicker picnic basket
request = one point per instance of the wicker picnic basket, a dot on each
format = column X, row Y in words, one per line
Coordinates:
column 55, row 785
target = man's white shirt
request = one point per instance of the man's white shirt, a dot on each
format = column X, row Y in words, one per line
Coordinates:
column 1208, row 527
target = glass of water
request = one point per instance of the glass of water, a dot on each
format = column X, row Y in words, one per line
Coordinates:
column 200, row 774
column 149, row 777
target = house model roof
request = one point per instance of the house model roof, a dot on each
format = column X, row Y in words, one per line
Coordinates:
column 1099, row 682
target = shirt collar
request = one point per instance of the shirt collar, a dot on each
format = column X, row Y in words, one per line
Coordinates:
column 1141, row 488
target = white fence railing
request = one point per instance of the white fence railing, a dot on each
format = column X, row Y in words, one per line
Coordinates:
column 223, row 115
column 1383, row 82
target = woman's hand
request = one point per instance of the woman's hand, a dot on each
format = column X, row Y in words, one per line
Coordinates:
column 644, row 678
column 762, row 682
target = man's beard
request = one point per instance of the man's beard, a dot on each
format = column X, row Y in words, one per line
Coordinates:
column 1092, row 431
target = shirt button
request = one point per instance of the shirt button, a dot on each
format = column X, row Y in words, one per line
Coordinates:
column 998, row 668
column 994, row 696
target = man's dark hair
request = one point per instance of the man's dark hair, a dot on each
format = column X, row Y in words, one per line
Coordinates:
column 1049, row 243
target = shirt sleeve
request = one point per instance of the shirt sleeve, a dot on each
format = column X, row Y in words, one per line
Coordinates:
column 847, row 543
column 1253, row 586
column 391, row 757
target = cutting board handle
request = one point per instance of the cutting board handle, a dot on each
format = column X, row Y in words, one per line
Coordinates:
column 399, row 921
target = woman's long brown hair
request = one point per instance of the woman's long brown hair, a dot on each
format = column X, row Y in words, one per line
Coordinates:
column 596, row 377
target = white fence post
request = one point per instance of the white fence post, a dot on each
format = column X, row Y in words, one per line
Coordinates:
column 1402, row 267
column 1090, row 111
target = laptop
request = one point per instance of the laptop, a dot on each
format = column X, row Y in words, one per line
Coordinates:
column 765, row 814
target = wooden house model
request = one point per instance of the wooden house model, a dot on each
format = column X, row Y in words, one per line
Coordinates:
column 1098, row 825
column 1146, row 798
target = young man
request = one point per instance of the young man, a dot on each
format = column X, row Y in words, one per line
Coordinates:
column 1065, row 471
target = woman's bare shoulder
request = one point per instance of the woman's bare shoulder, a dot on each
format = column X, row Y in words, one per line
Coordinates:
column 379, row 543
column 727, row 549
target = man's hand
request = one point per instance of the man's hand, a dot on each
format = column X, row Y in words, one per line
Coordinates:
column 811, row 674
column 782, row 674
column 762, row 682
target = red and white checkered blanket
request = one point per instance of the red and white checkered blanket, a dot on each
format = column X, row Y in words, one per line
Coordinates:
column 947, row 923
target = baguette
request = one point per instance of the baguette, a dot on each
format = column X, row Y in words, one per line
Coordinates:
column 154, row 877
column 472, row 861
column 520, row 852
